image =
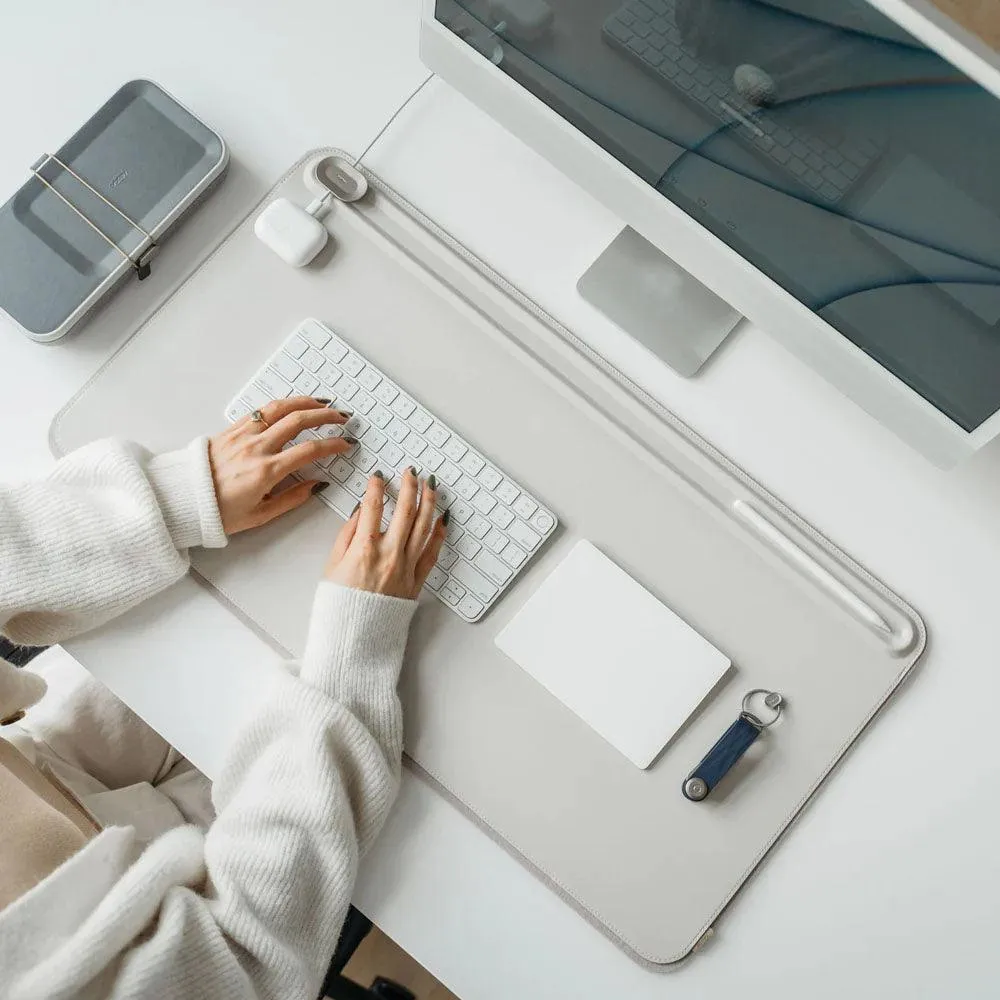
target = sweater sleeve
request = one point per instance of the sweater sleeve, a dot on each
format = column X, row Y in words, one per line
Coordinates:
column 255, row 907
column 108, row 528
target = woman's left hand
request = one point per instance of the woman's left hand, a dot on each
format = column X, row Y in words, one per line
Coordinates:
column 248, row 462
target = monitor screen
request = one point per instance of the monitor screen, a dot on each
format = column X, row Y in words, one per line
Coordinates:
column 831, row 149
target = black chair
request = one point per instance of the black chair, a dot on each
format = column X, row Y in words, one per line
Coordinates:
column 339, row 987
column 18, row 655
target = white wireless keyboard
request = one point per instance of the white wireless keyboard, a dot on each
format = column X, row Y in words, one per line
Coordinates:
column 496, row 526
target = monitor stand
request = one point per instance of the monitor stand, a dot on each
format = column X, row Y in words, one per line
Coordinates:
column 658, row 303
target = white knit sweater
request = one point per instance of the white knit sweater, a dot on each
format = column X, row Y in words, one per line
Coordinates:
column 253, row 907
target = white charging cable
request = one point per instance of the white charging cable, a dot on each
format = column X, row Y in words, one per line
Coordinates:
column 297, row 234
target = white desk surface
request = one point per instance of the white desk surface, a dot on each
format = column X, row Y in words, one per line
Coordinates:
column 889, row 885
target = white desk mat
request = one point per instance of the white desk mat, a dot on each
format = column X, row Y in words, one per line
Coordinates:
column 650, row 868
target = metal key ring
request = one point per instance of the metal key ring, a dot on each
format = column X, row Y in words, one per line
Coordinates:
column 772, row 700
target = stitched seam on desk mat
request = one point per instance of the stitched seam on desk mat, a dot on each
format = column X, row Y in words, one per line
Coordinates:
column 652, row 404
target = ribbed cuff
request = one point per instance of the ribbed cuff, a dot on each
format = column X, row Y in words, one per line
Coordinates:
column 356, row 642
column 184, row 488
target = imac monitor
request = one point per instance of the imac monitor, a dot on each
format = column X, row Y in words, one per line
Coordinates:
column 811, row 163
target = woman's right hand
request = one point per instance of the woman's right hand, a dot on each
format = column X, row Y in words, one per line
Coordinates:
column 395, row 563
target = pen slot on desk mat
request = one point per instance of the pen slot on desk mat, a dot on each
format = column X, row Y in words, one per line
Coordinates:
column 647, row 866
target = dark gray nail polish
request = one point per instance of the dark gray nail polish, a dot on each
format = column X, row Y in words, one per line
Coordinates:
column 319, row 487
column 348, row 439
column 378, row 474
column 432, row 482
column 446, row 517
column 325, row 402
column 413, row 470
column 347, row 413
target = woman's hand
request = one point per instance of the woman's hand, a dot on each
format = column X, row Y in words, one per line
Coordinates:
column 397, row 562
column 248, row 462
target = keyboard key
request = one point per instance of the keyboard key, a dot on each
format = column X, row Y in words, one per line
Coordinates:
column 474, row 580
column 329, row 375
column 542, row 522
column 363, row 403
column 352, row 364
column 286, row 367
column 392, row 455
column 437, row 435
column 497, row 571
column 356, row 426
column 466, row 488
column 501, row 516
column 306, row 384
column 273, row 383
column 512, row 555
column 357, row 484
column 306, row 435
column 479, row 526
column 380, row 416
column 315, row 335
column 342, row 470
column 333, row 430
column 452, row 592
column 415, row 444
column 312, row 360
column 490, row 478
column 835, row 177
column 455, row 536
column 236, row 411
column 436, row 579
column 398, row 431
column 525, row 507
column 369, row 378
column 296, row 346
column 507, row 492
column 346, row 390
column 467, row 545
column 335, row 350
column 254, row 396
column 453, row 449
column 445, row 497
column 523, row 535
column 449, row 474
column 420, row 421
column 403, row 407
column 385, row 393
column 374, row 439
column 432, row 460
column 470, row 607
column 447, row 557
column 460, row 511
column 496, row 541
column 483, row 502
column 472, row 464
column 364, row 460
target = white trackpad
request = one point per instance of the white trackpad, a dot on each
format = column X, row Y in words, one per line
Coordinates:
column 612, row 653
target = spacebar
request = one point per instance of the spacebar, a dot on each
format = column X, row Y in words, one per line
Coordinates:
column 479, row 585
